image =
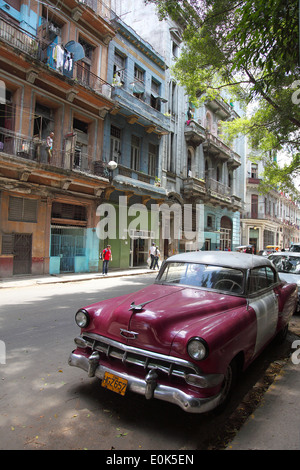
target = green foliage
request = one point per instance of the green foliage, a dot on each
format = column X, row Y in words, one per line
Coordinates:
column 250, row 48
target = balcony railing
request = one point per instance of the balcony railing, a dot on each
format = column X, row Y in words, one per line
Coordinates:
column 19, row 38
column 88, row 79
column 218, row 146
column 35, row 150
column 218, row 187
column 29, row 44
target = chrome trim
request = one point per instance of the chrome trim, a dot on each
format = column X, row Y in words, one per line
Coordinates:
column 173, row 366
column 173, row 395
column 128, row 334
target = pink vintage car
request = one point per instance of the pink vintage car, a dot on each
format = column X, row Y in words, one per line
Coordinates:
column 185, row 338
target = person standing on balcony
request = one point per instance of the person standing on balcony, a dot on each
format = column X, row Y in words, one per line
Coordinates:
column 49, row 145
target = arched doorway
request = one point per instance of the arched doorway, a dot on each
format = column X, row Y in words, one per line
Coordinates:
column 226, row 233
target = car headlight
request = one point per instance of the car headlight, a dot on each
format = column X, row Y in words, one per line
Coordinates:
column 197, row 349
column 82, row 318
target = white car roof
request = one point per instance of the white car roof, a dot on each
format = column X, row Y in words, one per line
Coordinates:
column 230, row 259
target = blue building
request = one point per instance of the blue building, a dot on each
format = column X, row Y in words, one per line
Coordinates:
column 134, row 133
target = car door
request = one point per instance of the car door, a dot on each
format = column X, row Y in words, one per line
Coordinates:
column 264, row 301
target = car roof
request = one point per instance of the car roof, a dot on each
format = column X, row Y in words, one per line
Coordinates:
column 286, row 253
column 230, row 259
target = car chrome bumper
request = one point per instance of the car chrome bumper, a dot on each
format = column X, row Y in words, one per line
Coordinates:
column 148, row 386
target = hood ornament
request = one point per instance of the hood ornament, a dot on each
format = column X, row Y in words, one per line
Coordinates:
column 139, row 307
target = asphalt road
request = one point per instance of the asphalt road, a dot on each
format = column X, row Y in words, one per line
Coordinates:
column 46, row 404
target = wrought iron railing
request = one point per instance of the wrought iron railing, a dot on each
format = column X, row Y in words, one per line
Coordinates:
column 218, row 187
column 19, row 38
column 29, row 44
column 35, row 150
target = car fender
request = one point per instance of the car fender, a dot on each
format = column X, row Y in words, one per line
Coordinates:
column 226, row 335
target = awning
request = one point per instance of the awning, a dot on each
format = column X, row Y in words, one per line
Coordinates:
column 157, row 97
column 137, row 87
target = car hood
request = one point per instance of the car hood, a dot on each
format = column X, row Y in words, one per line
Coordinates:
column 290, row 278
column 153, row 316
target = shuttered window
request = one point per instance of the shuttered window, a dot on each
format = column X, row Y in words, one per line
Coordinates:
column 7, row 243
column 22, row 210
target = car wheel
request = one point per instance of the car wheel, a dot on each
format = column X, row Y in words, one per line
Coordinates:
column 227, row 386
column 281, row 336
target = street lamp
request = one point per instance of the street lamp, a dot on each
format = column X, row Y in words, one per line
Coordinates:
column 112, row 165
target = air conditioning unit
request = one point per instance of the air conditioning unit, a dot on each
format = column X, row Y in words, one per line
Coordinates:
column 54, row 29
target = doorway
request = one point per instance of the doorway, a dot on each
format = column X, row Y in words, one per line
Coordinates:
column 22, row 249
column 225, row 233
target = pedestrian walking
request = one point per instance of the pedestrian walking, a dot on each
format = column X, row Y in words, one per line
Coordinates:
column 152, row 255
column 156, row 258
column 106, row 257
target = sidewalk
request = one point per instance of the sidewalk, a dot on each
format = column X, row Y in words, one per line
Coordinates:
column 24, row 281
column 275, row 424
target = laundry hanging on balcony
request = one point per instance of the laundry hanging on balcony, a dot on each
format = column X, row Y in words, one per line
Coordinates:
column 62, row 57
column 76, row 49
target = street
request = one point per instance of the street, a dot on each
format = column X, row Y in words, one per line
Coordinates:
column 47, row 405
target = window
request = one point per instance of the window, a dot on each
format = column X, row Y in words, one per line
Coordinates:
column 22, row 210
column 115, row 144
column 152, row 159
column 84, row 65
column 138, row 84
column 119, row 69
column 261, row 278
column 175, row 49
column 135, row 153
column 209, row 221
column 139, row 74
column 68, row 212
column 254, row 206
column 155, row 95
column 254, row 170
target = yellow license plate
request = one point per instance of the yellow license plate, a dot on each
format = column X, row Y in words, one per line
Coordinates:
column 114, row 383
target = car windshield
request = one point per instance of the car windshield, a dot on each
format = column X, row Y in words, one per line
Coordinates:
column 286, row 264
column 201, row 275
column 295, row 248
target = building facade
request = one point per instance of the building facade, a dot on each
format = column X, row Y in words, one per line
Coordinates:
column 199, row 169
column 134, row 132
column 271, row 218
column 53, row 71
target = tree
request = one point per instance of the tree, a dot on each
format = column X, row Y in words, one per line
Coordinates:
column 250, row 48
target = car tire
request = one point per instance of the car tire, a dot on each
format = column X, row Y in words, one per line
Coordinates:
column 228, row 386
column 282, row 334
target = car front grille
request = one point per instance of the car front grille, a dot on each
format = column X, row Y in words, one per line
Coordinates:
column 128, row 355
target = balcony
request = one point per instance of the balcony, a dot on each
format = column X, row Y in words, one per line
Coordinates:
column 194, row 133
column 218, row 193
column 139, row 110
column 221, row 108
column 34, row 151
column 217, row 148
column 19, row 39
column 138, row 183
column 36, row 66
column 194, row 187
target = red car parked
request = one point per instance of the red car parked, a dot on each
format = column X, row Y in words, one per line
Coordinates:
column 183, row 339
